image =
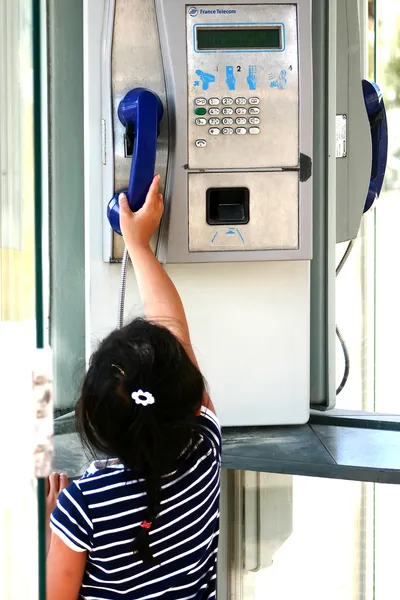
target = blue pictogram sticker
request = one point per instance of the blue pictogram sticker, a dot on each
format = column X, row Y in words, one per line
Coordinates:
column 230, row 78
column 279, row 82
column 252, row 77
column 206, row 78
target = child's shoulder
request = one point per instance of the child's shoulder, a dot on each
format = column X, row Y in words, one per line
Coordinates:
column 97, row 468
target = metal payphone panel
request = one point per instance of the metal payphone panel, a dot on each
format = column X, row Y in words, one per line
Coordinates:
column 272, row 193
column 237, row 104
column 243, row 113
column 243, row 89
column 239, row 93
column 133, row 63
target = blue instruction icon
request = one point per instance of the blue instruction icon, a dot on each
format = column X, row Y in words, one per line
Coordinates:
column 222, row 235
column 230, row 78
column 252, row 77
column 280, row 82
column 206, row 78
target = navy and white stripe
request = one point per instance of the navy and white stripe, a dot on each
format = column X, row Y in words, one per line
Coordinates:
column 101, row 514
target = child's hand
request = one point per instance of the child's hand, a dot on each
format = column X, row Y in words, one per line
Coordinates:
column 54, row 485
column 138, row 227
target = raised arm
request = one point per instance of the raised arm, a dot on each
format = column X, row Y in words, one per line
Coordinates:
column 160, row 299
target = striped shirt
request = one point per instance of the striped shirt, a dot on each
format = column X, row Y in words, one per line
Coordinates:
column 101, row 513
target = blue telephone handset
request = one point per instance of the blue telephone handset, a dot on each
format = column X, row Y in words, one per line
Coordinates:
column 379, row 134
column 142, row 109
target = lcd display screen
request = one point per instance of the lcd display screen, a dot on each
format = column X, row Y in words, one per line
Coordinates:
column 239, row 38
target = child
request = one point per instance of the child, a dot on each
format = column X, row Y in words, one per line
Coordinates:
column 144, row 524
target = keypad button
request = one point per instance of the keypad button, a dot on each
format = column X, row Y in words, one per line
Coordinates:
column 241, row 100
column 254, row 110
column 213, row 101
column 227, row 121
column 200, row 101
column 241, row 121
column 240, row 130
column 200, row 111
column 213, row 121
column 254, row 130
column 201, row 143
column 213, row 131
column 241, row 111
column 227, row 100
column 254, row 120
column 254, row 100
column 227, row 111
column 213, row 111
column 227, row 130
column 201, row 121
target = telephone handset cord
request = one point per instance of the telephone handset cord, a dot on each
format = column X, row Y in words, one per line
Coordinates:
column 122, row 289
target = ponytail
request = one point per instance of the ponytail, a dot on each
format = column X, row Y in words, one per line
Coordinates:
column 142, row 541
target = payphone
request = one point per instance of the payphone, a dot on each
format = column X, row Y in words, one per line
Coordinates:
column 218, row 99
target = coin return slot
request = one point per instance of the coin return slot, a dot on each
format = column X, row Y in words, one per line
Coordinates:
column 227, row 206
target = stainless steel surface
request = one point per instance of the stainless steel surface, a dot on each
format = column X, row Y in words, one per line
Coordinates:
column 172, row 17
column 274, row 211
column 136, row 62
column 353, row 137
column 266, row 78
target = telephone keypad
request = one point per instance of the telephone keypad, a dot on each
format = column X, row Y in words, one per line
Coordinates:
column 244, row 106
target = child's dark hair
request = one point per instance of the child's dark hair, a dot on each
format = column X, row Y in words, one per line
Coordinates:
column 147, row 439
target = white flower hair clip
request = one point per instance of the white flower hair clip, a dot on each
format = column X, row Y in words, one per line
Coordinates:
column 141, row 397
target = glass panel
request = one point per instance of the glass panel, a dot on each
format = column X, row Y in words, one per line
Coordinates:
column 17, row 257
column 387, row 532
column 18, row 518
column 354, row 319
column 342, row 550
column 303, row 555
column 388, row 213
column 367, row 296
column 355, row 285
